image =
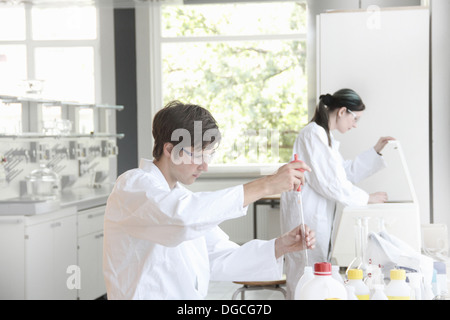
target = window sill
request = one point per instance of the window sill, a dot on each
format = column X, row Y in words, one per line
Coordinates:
column 230, row 171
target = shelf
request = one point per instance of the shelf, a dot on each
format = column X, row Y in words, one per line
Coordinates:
column 48, row 102
column 35, row 135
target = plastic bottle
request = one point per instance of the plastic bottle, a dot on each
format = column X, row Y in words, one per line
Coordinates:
column 435, row 284
column 355, row 279
column 427, row 293
column 323, row 286
column 307, row 275
column 378, row 293
column 441, row 278
column 398, row 289
column 415, row 280
column 351, row 293
column 336, row 275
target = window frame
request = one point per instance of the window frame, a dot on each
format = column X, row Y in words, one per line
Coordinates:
column 156, row 77
column 30, row 47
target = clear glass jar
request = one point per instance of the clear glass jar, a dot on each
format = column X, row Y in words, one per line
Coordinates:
column 43, row 184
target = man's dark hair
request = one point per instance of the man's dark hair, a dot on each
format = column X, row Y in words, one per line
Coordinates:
column 175, row 116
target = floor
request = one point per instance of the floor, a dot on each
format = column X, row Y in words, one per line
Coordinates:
column 224, row 291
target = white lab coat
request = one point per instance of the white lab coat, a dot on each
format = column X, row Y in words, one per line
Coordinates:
column 166, row 244
column 331, row 181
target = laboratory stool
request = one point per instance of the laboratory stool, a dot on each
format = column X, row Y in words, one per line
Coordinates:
column 275, row 285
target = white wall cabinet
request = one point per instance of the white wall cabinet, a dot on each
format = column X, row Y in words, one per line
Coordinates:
column 90, row 253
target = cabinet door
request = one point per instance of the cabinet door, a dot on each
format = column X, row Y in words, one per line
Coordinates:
column 65, row 255
column 90, row 221
column 12, row 263
column 90, row 257
column 90, row 253
column 39, row 261
column 49, row 250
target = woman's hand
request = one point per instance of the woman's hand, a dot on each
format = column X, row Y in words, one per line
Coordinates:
column 382, row 143
column 378, row 197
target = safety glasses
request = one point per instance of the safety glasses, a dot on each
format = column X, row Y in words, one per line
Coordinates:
column 199, row 157
column 355, row 117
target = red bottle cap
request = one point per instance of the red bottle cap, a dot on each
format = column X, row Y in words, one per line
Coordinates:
column 322, row 269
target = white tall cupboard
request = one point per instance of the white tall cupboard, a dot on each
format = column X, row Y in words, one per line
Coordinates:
column 384, row 55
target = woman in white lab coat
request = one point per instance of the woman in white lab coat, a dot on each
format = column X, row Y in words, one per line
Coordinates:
column 162, row 241
column 331, row 180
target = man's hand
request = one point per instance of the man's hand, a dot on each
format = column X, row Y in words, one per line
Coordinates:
column 287, row 178
column 295, row 240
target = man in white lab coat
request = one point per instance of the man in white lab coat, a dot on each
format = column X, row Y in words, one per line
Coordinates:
column 162, row 241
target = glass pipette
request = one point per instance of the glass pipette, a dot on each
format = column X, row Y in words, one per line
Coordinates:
column 300, row 204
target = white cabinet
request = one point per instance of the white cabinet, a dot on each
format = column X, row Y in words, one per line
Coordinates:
column 12, row 258
column 50, row 248
column 56, row 255
column 90, row 253
column 35, row 253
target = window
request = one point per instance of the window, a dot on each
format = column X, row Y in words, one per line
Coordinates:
column 48, row 52
column 68, row 72
column 11, row 121
column 245, row 62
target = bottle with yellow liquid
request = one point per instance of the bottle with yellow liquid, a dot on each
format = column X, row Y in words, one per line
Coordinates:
column 355, row 279
column 398, row 289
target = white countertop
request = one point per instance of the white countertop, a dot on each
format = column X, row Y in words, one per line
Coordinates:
column 81, row 197
column 85, row 198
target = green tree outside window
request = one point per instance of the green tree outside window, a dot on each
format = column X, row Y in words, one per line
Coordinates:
column 256, row 89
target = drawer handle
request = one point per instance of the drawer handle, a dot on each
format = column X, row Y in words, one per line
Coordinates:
column 55, row 224
column 98, row 236
column 90, row 216
column 17, row 221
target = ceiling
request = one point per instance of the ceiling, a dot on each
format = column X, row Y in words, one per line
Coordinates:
column 58, row 3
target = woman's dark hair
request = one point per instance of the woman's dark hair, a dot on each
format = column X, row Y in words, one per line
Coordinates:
column 188, row 119
column 328, row 103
